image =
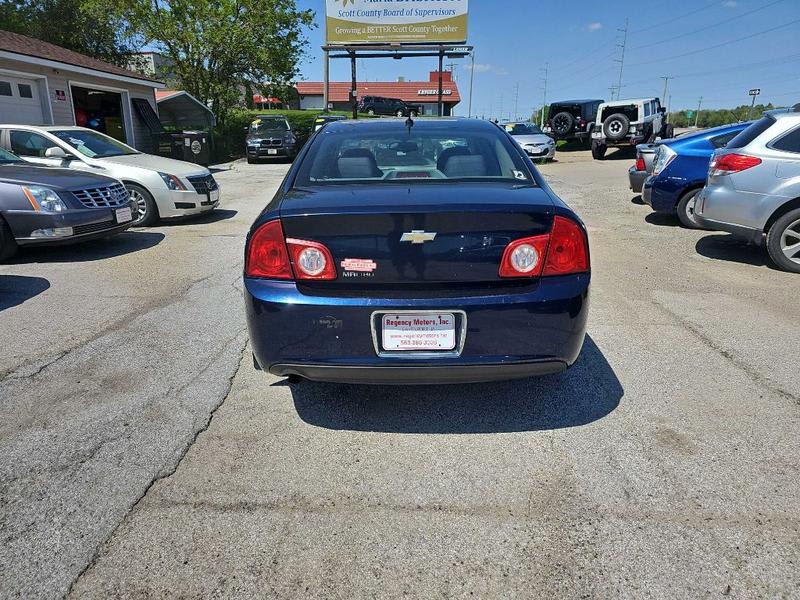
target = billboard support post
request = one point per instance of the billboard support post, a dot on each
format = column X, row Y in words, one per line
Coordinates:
column 441, row 85
column 326, row 87
column 354, row 85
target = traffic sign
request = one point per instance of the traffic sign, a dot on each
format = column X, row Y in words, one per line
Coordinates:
column 689, row 114
column 755, row 91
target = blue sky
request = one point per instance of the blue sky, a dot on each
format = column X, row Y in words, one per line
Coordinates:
column 712, row 48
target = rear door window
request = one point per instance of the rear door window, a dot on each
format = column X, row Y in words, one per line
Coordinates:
column 789, row 142
column 751, row 133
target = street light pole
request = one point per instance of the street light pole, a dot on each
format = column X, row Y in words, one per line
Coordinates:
column 471, row 80
column 697, row 114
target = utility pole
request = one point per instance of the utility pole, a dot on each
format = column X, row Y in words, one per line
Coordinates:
column 471, row 81
column 544, row 94
column 516, row 101
column 621, row 60
column 697, row 114
column 666, row 87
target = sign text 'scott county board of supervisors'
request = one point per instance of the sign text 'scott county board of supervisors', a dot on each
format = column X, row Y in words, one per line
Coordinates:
column 392, row 21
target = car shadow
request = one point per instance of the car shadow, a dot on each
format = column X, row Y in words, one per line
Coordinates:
column 621, row 153
column 219, row 214
column 585, row 393
column 662, row 219
column 722, row 246
column 637, row 199
column 16, row 289
column 100, row 249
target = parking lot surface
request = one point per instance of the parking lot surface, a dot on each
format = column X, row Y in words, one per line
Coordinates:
column 144, row 456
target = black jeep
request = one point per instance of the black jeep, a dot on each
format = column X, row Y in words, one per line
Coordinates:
column 571, row 119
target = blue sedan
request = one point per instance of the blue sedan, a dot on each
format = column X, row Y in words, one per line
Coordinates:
column 413, row 252
column 680, row 168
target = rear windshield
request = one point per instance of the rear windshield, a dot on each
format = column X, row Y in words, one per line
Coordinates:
column 363, row 154
column 751, row 133
column 522, row 129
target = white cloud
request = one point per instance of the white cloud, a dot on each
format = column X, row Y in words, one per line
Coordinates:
column 594, row 26
column 485, row 68
column 730, row 3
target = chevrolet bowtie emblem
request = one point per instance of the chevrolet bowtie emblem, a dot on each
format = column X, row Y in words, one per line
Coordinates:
column 418, row 237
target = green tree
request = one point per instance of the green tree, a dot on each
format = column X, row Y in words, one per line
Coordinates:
column 221, row 49
column 66, row 23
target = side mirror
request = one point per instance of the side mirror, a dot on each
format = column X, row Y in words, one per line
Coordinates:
column 246, row 129
column 662, row 110
column 56, row 152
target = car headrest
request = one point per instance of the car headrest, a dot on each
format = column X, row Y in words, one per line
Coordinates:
column 465, row 166
column 358, row 163
column 446, row 154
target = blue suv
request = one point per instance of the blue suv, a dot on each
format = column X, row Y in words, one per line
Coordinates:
column 680, row 168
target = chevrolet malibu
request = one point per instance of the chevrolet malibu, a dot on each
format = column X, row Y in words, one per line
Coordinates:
column 412, row 252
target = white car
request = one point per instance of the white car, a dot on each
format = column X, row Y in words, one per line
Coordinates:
column 532, row 140
column 161, row 187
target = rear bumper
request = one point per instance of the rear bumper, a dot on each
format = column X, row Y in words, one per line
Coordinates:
column 412, row 375
column 333, row 339
column 660, row 200
column 636, row 179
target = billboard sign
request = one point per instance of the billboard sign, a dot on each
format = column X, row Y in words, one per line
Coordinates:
column 396, row 21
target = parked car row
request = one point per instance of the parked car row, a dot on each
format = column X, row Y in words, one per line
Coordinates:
column 60, row 185
column 742, row 178
column 625, row 122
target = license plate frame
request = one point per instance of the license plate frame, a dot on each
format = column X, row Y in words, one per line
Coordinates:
column 272, row 152
column 123, row 215
column 213, row 195
column 459, row 331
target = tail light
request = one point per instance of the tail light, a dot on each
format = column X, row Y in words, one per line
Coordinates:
column 563, row 251
column 640, row 166
column 271, row 256
column 731, row 163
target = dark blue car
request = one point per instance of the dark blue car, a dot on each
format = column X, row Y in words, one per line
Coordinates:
column 680, row 168
column 400, row 253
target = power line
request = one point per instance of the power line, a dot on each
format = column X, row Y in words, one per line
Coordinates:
column 734, row 41
column 678, row 18
column 621, row 61
column 717, row 24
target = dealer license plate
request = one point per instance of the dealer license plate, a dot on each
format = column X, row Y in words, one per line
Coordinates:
column 123, row 215
column 422, row 331
column 272, row 151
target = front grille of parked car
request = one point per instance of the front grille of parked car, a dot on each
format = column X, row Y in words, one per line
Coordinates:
column 274, row 142
column 92, row 227
column 203, row 183
column 111, row 196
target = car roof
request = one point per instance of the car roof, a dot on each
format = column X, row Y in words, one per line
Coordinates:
column 390, row 125
column 584, row 101
column 710, row 132
column 632, row 100
column 44, row 127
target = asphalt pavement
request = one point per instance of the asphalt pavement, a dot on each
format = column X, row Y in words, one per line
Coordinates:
column 143, row 456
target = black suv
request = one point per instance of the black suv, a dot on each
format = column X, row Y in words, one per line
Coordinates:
column 571, row 119
column 270, row 136
column 375, row 105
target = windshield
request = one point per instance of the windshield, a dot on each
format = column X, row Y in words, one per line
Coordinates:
column 264, row 125
column 7, row 157
column 93, row 143
column 523, row 129
column 395, row 155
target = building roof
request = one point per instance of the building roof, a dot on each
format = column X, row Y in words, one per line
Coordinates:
column 408, row 91
column 28, row 46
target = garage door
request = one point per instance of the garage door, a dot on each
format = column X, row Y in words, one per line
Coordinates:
column 20, row 101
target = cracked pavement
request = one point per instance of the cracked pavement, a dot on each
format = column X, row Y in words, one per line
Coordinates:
column 143, row 456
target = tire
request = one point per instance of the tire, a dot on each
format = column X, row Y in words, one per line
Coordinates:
column 8, row 246
column 669, row 131
column 598, row 151
column 371, row 112
column 616, row 126
column 562, row 123
column 686, row 209
column 250, row 161
column 783, row 241
column 413, row 114
column 147, row 211
column 399, row 113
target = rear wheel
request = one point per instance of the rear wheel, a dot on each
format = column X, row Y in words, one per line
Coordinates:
column 8, row 247
column 686, row 210
column 669, row 132
column 783, row 241
column 371, row 112
column 616, row 127
column 413, row 114
column 562, row 123
column 598, row 151
column 146, row 210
